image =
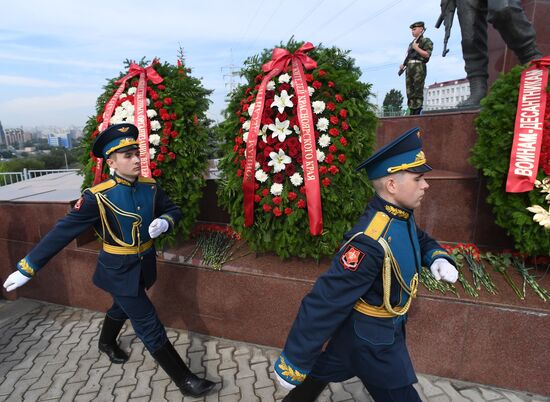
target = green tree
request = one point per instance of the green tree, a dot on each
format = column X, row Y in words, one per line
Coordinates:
column 393, row 103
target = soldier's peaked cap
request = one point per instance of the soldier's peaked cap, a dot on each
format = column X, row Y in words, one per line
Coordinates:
column 402, row 154
column 116, row 138
column 417, row 24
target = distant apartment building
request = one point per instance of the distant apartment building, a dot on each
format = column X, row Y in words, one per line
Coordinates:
column 60, row 140
column 16, row 137
column 3, row 143
column 446, row 95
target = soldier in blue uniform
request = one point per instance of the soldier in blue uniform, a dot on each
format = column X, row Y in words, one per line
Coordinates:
column 360, row 304
column 128, row 212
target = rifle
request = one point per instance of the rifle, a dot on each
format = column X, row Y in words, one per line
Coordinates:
column 446, row 17
column 410, row 53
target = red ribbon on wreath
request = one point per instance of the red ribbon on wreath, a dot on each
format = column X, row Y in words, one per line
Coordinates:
column 529, row 127
column 279, row 62
column 140, row 114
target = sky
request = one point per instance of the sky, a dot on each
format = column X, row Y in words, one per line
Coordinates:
column 56, row 55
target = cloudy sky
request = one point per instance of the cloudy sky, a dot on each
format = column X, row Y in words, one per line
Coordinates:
column 56, row 55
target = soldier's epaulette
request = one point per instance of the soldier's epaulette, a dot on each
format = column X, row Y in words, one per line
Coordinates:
column 377, row 225
column 146, row 180
column 103, row 186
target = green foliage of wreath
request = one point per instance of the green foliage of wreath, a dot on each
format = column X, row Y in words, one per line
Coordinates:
column 284, row 227
column 180, row 160
column 491, row 154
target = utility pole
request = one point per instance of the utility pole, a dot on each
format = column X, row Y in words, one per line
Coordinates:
column 233, row 73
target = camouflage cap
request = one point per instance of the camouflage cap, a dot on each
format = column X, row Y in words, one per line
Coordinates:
column 417, row 24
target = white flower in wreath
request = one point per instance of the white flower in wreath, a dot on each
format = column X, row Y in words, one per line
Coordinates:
column 296, row 179
column 264, row 133
column 257, row 165
column 280, row 102
column 155, row 125
column 152, row 152
column 251, row 109
column 276, row 189
column 151, row 113
column 279, row 160
column 154, row 139
column 284, row 78
column 311, row 90
column 261, row 176
column 246, row 125
column 320, row 156
column 270, row 86
column 324, row 141
column 280, row 129
column 245, row 136
column 296, row 129
column 122, row 96
column 322, row 124
column 132, row 90
column 116, row 119
column 318, row 107
column 147, row 101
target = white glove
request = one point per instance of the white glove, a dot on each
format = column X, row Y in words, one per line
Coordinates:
column 286, row 385
column 15, row 280
column 443, row 270
column 158, row 227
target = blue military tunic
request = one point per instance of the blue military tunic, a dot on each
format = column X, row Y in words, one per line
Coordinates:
column 120, row 212
column 346, row 305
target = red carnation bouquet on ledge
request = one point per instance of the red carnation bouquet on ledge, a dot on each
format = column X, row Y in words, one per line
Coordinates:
column 168, row 106
column 294, row 133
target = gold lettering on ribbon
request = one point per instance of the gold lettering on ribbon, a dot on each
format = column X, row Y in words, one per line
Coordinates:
column 140, row 120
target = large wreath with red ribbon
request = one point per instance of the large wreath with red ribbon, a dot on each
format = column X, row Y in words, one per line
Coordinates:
column 515, row 121
column 168, row 106
column 293, row 136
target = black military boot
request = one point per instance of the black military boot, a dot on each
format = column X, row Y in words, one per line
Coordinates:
column 187, row 382
column 308, row 391
column 528, row 53
column 107, row 340
column 478, row 91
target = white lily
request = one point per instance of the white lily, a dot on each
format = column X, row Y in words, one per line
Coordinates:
column 279, row 160
column 282, row 101
column 280, row 129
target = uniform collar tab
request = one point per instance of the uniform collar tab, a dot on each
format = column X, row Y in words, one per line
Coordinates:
column 123, row 181
column 391, row 209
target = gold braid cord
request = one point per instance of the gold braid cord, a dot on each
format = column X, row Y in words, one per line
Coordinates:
column 390, row 264
column 102, row 203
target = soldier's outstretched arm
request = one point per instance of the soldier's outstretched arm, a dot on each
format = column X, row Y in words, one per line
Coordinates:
column 83, row 215
column 166, row 209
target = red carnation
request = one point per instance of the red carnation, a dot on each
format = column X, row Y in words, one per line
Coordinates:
column 288, row 211
column 164, row 140
column 334, row 119
column 154, row 96
column 309, row 77
column 239, row 172
column 303, row 190
column 172, row 155
column 277, row 200
column 334, row 132
column 173, row 116
column 301, row 204
column 174, row 134
column 332, row 149
column 257, row 198
column 153, row 165
column 277, row 211
column 99, row 118
column 247, row 91
column 323, row 170
column 160, row 158
column 245, row 107
column 157, row 172
column 334, row 170
column 339, row 98
column 329, row 158
column 343, row 113
column 292, row 196
column 267, row 207
column 259, row 78
column 265, row 192
column 343, row 141
column 326, row 182
column 161, row 87
column 331, row 106
column 290, row 169
column 167, row 101
column 164, row 150
column 322, row 73
column 278, row 178
column 284, row 87
column 316, row 84
column 331, row 84
column 345, row 126
column 342, row 158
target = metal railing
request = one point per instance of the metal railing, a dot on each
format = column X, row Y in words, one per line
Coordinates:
column 14, row 177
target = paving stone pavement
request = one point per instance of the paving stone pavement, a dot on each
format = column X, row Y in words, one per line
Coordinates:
column 49, row 352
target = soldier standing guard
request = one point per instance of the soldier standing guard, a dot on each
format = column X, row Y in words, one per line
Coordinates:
column 418, row 54
column 128, row 212
column 360, row 304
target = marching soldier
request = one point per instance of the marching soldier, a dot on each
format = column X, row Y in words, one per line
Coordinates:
column 128, row 212
column 360, row 304
column 418, row 54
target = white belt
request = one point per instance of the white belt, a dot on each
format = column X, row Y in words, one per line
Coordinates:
column 415, row 61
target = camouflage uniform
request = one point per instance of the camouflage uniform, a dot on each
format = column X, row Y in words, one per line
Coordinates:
column 416, row 75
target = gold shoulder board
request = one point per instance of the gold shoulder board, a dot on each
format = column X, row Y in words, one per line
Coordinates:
column 103, row 186
column 377, row 225
column 146, row 180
